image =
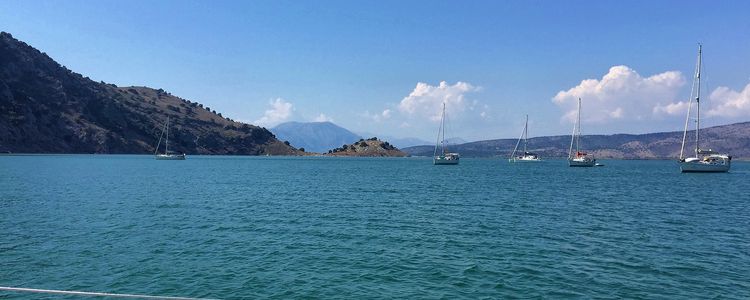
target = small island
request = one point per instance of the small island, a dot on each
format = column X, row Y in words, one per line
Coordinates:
column 372, row 147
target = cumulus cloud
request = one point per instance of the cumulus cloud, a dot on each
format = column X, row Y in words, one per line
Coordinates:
column 678, row 108
column 322, row 118
column 622, row 94
column 723, row 102
column 726, row 102
column 378, row 117
column 426, row 100
column 386, row 114
column 280, row 111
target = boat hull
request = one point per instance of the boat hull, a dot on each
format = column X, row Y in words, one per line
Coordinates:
column 523, row 160
column 701, row 167
column 170, row 157
column 444, row 161
column 581, row 162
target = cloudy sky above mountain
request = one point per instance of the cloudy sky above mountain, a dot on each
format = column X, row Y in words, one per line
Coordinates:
column 386, row 67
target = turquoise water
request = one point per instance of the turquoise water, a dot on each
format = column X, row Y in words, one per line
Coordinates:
column 257, row 227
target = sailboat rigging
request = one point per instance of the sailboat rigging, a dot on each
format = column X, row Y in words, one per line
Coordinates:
column 705, row 160
column 166, row 155
column 526, row 156
column 443, row 157
column 580, row 158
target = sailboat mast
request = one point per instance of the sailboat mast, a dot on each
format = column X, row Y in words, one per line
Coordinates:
column 684, row 133
column 698, row 102
column 156, row 151
column 442, row 127
column 578, row 123
column 573, row 135
column 694, row 91
column 525, row 135
column 166, row 143
column 440, row 141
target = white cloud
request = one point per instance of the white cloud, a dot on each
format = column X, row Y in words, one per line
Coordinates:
column 426, row 100
column 723, row 102
column 484, row 114
column 322, row 118
column 378, row 117
column 386, row 114
column 678, row 108
column 622, row 94
column 280, row 111
column 726, row 102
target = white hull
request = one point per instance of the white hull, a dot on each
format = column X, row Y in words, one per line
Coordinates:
column 170, row 157
column 579, row 162
column 698, row 166
column 525, row 159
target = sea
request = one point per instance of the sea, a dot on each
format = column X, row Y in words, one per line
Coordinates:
column 235, row 227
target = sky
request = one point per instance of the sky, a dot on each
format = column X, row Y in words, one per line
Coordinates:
column 386, row 67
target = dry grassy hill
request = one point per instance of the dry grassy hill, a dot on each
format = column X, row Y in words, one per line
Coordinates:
column 46, row 108
column 370, row 148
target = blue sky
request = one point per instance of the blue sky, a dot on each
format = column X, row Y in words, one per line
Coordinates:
column 377, row 66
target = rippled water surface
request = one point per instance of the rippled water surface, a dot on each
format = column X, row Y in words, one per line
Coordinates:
column 257, row 227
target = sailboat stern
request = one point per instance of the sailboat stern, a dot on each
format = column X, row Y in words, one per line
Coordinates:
column 447, row 159
column 582, row 159
column 715, row 163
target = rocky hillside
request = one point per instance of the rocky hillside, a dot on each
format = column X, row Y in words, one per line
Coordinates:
column 46, row 108
column 733, row 139
column 371, row 147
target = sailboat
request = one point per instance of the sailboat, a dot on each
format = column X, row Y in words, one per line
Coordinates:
column 580, row 159
column 443, row 157
column 166, row 155
column 526, row 156
column 705, row 160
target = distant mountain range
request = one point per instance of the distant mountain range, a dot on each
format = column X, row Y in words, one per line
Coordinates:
column 46, row 108
column 323, row 136
column 733, row 139
column 455, row 141
column 314, row 136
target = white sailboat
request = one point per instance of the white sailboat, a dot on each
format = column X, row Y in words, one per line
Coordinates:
column 167, row 155
column 580, row 159
column 443, row 157
column 705, row 160
column 526, row 156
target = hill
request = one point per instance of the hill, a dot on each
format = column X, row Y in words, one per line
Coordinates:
column 397, row 141
column 371, row 147
column 314, row 136
column 733, row 139
column 405, row 142
column 46, row 108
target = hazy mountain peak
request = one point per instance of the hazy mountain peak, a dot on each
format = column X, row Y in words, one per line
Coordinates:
column 314, row 136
